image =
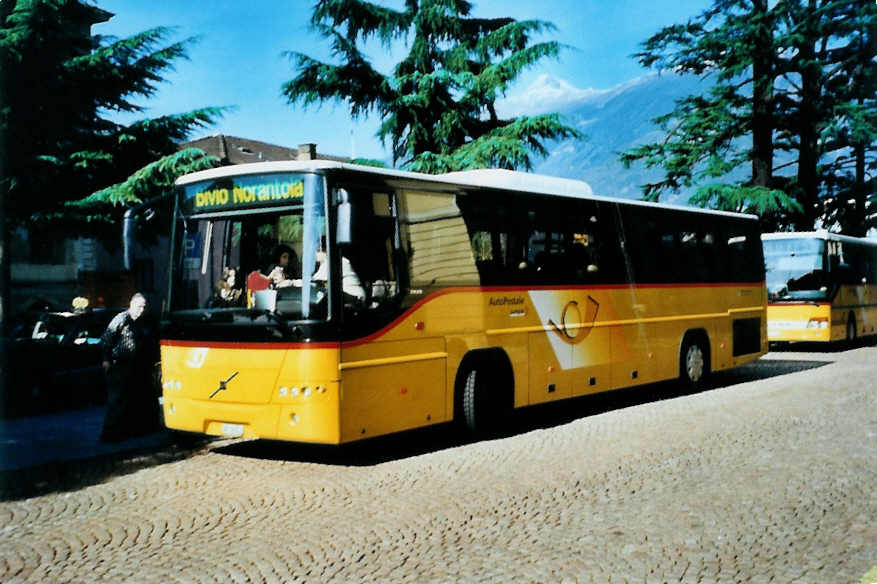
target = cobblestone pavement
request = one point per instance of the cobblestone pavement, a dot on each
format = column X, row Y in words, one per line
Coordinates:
column 770, row 480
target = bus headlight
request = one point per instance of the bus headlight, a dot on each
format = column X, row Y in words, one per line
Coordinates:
column 820, row 322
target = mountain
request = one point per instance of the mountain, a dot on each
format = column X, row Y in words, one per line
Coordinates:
column 614, row 120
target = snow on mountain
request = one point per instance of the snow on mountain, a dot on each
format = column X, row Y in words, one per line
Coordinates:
column 613, row 119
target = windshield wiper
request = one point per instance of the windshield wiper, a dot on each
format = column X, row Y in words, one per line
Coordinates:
column 281, row 322
column 202, row 315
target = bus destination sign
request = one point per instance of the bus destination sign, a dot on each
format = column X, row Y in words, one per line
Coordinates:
column 240, row 192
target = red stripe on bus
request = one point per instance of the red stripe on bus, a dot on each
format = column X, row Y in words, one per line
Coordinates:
column 607, row 286
column 230, row 345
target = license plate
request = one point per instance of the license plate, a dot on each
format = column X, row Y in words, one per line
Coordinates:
column 232, row 430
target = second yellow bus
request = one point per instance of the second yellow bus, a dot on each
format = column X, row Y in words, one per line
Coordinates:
column 821, row 286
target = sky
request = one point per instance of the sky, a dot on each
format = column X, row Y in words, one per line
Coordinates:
column 238, row 60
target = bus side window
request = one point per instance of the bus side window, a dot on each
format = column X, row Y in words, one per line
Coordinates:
column 494, row 239
column 437, row 239
column 369, row 270
column 583, row 257
column 855, row 256
column 588, row 247
column 492, row 258
column 708, row 255
column 647, row 249
column 548, row 257
column 696, row 255
column 742, row 254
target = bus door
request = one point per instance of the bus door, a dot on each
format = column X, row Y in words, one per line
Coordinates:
column 850, row 271
column 566, row 252
column 649, row 245
column 393, row 372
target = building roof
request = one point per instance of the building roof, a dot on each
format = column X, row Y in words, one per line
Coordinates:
column 235, row 150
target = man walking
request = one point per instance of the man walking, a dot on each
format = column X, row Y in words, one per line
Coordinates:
column 128, row 359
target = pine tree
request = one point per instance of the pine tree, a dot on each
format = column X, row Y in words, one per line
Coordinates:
column 438, row 105
column 59, row 85
column 781, row 86
column 850, row 140
column 62, row 85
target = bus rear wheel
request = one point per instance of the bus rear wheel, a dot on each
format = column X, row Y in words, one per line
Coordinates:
column 694, row 361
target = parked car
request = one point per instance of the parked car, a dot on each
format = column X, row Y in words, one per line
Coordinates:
column 21, row 324
column 58, row 366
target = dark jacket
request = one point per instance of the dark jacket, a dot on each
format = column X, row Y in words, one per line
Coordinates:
column 127, row 341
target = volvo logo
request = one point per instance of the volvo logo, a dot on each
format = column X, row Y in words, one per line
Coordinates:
column 223, row 385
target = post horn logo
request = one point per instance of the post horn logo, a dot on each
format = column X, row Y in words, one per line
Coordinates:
column 573, row 329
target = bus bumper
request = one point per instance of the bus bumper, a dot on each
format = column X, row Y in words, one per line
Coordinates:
column 798, row 322
column 313, row 419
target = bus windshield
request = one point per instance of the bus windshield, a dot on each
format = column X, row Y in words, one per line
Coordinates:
column 255, row 258
column 795, row 269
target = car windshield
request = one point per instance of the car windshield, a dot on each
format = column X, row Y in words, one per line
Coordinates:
column 255, row 260
column 795, row 269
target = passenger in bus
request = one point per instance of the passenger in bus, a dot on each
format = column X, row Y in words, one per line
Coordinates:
column 350, row 283
column 226, row 294
column 282, row 270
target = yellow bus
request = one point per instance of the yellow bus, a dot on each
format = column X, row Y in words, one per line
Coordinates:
column 325, row 302
column 821, row 286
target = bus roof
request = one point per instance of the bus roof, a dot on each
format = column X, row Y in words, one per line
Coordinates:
column 488, row 178
column 826, row 235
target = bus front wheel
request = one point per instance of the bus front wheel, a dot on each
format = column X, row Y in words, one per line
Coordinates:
column 694, row 361
column 481, row 413
column 484, row 400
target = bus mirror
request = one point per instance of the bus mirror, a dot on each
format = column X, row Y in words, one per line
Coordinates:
column 593, row 269
column 342, row 231
column 128, row 227
column 134, row 217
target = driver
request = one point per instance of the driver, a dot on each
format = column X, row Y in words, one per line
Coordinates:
column 350, row 283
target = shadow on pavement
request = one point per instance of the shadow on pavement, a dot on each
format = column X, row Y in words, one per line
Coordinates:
column 822, row 347
column 441, row 437
column 74, row 474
